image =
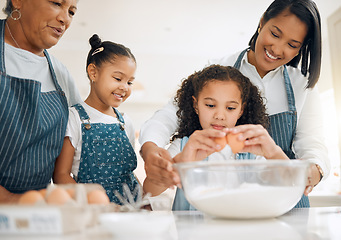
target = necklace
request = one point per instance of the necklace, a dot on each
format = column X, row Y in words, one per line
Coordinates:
column 12, row 36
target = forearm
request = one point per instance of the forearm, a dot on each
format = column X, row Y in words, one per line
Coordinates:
column 153, row 188
column 8, row 197
column 63, row 178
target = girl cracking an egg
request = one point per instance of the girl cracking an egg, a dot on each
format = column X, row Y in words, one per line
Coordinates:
column 99, row 140
column 211, row 103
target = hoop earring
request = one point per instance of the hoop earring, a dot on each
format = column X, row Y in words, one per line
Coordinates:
column 258, row 30
column 15, row 11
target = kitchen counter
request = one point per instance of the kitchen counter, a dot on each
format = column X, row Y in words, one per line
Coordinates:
column 299, row 224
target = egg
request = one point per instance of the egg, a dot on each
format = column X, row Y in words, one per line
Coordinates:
column 58, row 196
column 97, row 196
column 43, row 192
column 71, row 192
column 235, row 144
column 31, row 197
column 221, row 141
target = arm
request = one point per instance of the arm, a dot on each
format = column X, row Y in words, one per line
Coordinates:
column 154, row 135
column 63, row 163
column 309, row 142
column 8, row 197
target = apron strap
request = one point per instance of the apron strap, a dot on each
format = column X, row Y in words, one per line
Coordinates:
column 2, row 45
column 289, row 90
column 239, row 59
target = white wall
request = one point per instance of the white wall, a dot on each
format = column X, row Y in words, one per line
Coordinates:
column 172, row 39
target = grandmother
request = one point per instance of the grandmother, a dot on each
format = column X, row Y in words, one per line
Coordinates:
column 35, row 92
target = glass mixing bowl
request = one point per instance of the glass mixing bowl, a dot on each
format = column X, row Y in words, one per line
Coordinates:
column 244, row 189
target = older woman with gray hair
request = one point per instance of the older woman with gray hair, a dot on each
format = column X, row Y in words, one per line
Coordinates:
column 35, row 92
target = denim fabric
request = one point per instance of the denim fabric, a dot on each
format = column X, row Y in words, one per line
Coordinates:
column 107, row 156
column 32, row 128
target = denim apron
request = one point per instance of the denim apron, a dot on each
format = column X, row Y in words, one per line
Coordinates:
column 283, row 125
column 32, row 128
column 107, row 156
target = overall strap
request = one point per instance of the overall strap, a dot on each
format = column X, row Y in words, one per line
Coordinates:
column 119, row 118
column 82, row 113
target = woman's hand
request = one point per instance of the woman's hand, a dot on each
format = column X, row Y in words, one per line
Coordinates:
column 200, row 145
column 313, row 179
column 158, row 165
column 258, row 141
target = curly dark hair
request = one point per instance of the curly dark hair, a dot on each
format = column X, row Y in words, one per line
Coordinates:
column 254, row 111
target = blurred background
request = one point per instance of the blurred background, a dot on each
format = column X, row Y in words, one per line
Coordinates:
column 172, row 39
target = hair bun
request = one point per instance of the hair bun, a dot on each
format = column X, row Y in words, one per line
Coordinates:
column 95, row 41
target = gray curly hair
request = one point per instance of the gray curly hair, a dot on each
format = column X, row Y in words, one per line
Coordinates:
column 8, row 8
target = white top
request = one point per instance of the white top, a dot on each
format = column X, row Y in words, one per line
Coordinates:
column 24, row 64
column 74, row 130
column 309, row 139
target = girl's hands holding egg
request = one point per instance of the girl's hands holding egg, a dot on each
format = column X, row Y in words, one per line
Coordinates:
column 257, row 141
column 200, row 144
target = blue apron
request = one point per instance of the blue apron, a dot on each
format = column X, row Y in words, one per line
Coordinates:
column 107, row 156
column 283, row 125
column 32, row 128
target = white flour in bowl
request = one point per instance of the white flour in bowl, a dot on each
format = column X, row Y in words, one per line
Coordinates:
column 247, row 201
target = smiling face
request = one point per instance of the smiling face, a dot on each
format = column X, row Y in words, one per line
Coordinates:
column 278, row 42
column 112, row 82
column 43, row 22
column 219, row 105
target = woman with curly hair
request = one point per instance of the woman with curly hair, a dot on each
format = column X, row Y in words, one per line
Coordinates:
column 211, row 102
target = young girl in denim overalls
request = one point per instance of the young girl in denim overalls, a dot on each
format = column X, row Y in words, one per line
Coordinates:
column 98, row 144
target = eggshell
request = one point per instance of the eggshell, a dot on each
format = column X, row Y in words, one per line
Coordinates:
column 221, row 141
column 31, row 198
column 58, row 196
column 97, row 196
column 43, row 192
column 235, row 144
column 71, row 192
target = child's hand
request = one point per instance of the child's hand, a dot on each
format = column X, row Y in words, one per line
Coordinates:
column 200, row 145
column 258, row 141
